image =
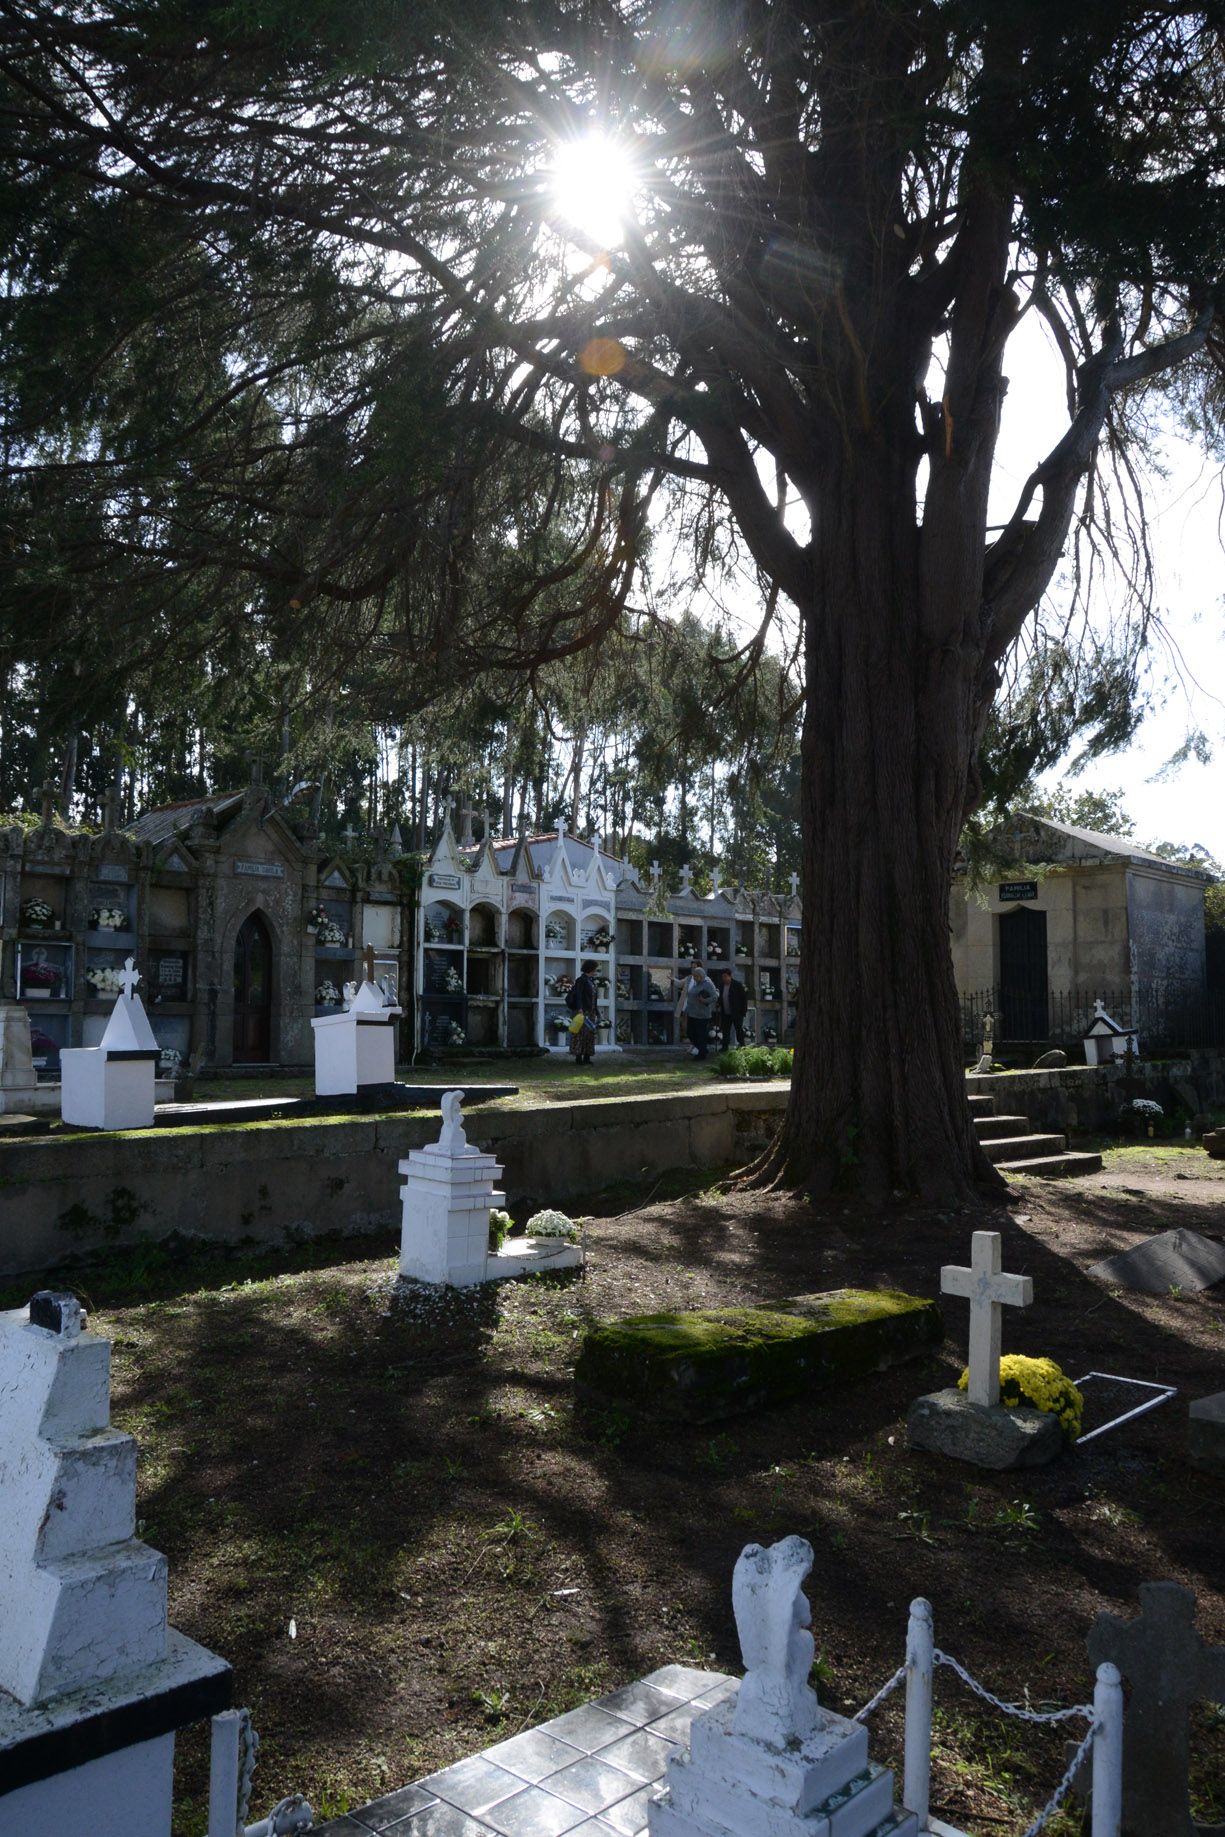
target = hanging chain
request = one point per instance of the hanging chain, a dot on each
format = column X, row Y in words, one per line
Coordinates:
column 248, row 1749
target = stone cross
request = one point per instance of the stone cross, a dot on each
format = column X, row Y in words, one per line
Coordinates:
column 110, row 811
column 1169, row 1669
column 686, row 878
column 128, row 977
column 987, row 1056
column 795, row 885
column 714, row 878
column 776, row 1704
column 349, row 834
column 987, row 1291
column 655, row 873
column 51, row 792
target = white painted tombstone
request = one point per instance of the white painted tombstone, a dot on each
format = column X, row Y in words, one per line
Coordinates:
column 448, row 1192
column 1106, row 1040
column 358, row 1046
column 988, row 1290
column 972, row 1425
column 111, row 1085
column 93, row 1683
column 771, row 1761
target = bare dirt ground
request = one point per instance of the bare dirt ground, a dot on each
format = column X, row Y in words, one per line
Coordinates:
column 462, row 1552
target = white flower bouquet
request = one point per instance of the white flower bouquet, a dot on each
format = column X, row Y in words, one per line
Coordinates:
column 552, row 1224
column 108, row 918
column 327, row 994
column 328, row 931
column 35, row 915
column 102, row 980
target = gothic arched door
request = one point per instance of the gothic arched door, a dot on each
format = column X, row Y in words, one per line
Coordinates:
column 253, row 992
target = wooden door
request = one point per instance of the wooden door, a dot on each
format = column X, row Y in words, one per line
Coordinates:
column 253, row 992
column 1023, row 980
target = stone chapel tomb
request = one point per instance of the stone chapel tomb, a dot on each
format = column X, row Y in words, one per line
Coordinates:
column 112, row 1085
column 771, row 1761
column 93, row 1682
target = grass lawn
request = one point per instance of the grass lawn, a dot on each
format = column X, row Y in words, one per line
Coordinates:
column 463, row 1550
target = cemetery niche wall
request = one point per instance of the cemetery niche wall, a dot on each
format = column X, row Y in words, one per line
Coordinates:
column 1100, row 916
column 246, row 931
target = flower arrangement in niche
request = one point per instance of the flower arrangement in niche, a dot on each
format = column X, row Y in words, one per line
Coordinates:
column 714, row 950
column 558, row 985
column 328, row 932
column 41, row 975
column 742, row 949
column 688, row 950
column 444, row 1032
column 102, row 979
column 108, row 918
column 453, row 982
column 770, row 1036
column 315, row 917
column 598, row 940
column 169, row 1058
column 35, row 915
column 327, row 994
column 552, row 1224
column 1040, row 1384
column 554, row 933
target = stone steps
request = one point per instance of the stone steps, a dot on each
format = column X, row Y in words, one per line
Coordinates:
column 1056, row 1166
column 1015, row 1146
column 1030, row 1147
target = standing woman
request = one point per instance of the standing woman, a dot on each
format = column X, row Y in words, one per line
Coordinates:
column 582, row 1001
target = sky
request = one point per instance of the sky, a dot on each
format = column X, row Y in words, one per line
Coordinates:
column 1187, row 664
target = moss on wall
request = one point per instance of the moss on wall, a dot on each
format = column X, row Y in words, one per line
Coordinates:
column 700, row 1366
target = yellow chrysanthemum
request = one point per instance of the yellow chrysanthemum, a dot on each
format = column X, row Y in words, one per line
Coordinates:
column 1042, row 1385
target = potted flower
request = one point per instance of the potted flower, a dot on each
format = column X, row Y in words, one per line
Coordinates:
column 327, row 994
column 314, row 918
column 742, row 949
column 1037, row 1384
column 550, row 1223
column 453, row 982
column 769, row 1036
column 554, row 933
column 169, row 1059
column 108, row 918
column 714, row 951
column 35, row 915
column 102, row 980
column 499, row 1228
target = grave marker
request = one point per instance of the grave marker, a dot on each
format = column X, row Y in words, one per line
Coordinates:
column 987, row 1290
column 1169, row 1669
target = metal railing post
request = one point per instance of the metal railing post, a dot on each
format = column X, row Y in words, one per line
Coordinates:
column 223, row 1775
column 1108, row 1752
column 920, row 1644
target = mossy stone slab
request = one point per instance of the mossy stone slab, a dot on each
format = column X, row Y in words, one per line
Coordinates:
column 702, row 1365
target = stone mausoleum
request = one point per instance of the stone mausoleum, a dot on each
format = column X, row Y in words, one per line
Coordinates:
column 244, row 930
column 1099, row 915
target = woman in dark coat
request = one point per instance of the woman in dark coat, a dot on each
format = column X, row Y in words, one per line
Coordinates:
column 582, row 1000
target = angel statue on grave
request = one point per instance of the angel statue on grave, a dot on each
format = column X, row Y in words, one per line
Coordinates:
column 776, row 1703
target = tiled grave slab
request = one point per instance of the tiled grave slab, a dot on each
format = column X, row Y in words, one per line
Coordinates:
column 589, row 1773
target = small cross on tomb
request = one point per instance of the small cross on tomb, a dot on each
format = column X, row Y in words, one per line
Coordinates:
column 128, row 977
column 1169, row 1669
column 686, row 878
column 795, row 885
column 51, row 792
column 987, row 1290
column 655, row 873
column 349, row 834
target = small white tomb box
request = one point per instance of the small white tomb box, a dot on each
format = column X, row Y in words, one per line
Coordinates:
column 111, row 1085
column 1106, row 1040
column 357, row 1047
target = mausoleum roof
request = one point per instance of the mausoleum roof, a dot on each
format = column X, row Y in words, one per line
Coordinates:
column 166, row 820
column 1088, row 843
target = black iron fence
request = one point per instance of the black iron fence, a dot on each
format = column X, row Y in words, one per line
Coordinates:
column 1166, row 1016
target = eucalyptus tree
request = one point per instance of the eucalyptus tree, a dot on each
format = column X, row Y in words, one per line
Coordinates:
column 792, row 324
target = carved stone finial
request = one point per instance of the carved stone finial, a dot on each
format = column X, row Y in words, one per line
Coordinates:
column 452, row 1139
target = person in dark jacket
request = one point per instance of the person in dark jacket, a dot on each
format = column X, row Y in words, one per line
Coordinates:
column 733, row 1006
column 582, row 1000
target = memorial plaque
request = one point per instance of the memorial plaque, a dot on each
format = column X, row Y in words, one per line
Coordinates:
column 264, row 870
column 1018, row 889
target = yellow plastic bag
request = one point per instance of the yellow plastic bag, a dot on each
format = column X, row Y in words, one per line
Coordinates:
column 578, row 1023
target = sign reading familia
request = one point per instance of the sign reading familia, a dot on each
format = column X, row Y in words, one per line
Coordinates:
column 444, row 880
column 1018, row 889
column 266, row 870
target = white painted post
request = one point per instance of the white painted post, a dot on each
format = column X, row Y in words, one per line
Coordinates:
column 1108, row 1752
column 223, row 1774
column 920, row 1644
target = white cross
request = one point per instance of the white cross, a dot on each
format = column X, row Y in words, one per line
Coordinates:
column 128, row 977
column 714, row 878
column 795, row 885
column 655, row 873
column 987, row 1291
column 349, row 834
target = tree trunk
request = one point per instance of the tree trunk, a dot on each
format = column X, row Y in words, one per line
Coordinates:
column 878, row 1101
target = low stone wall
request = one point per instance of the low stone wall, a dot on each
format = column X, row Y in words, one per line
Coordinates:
column 1086, row 1099
column 62, row 1198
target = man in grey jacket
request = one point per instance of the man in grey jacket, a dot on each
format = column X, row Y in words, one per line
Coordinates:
column 699, row 999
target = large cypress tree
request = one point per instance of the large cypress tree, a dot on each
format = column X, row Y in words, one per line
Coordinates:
column 840, row 215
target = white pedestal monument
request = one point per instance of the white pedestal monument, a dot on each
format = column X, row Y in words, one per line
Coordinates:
column 93, row 1683
column 20, row 1091
column 357, row 1047
column 111, row 1085
column 448, row 1193
column 771, row 1762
